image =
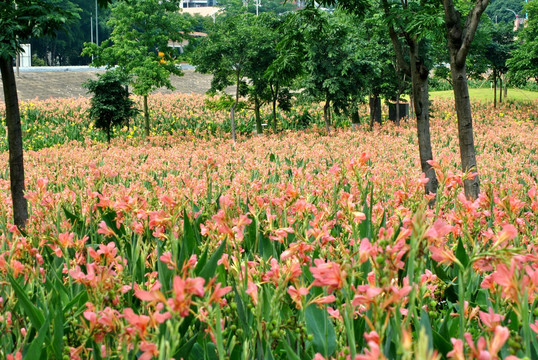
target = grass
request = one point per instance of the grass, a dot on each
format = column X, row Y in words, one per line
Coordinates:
column 487, row 94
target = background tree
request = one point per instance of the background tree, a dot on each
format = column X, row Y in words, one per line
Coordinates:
column 65, row 46
column 239, row 48
column 498, row 13
column 19, row 20
column 498, row 52
column 524, row 62
column 110, row 105
column 460, row 32
column 336, row 68
column 138, row 45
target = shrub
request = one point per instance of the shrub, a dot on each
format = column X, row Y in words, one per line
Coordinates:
column 110, row 105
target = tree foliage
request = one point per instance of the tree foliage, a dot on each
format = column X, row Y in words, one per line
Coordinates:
column 139, row 45
column 524, row 62
column 110, row 105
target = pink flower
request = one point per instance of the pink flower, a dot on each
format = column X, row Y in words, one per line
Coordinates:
column 149, row 350
column 297, row 295
column 457, row 350
column 327, row 274
column 105, row 230
column 490, row 320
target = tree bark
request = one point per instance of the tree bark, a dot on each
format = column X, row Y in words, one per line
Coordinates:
column 421, row 102
column 500, row 89
column 355, row 120
column 259, row 128
column 14, row 135
column 375, row 110
column 505, row 88
column 146, row 116
column 234, row 106
column 419, row 99
column 459, row 41
column 326, row 114
column 494, row 88
column 465, row 130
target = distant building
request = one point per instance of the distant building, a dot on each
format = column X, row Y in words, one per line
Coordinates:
column 196, row 3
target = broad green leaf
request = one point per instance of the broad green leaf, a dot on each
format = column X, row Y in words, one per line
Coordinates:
column 320, row 326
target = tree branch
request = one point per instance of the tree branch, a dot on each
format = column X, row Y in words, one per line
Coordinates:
column 471, row 24
column 404, row 66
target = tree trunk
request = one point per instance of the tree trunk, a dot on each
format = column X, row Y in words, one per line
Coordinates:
column 326, row 114
column 259, row 128
column 146, row 115
column 411, row 107
column 355, row 120
column 232, row 119
column 375, row 110
column 465, row 129
column 505, row 88
column 234, row 106
column 459, row 41
column 500, row 89
column 494, row 88
column 274, row 115
column 14, row 135
column 421, row 102
column 398, row 96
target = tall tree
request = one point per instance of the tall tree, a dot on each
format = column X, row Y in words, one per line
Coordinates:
column 337, row 67
column 239, row 48
column 19, row 20
column 407, row 23
column 460, row 33
column 498, row 52
column 524, row 62
column 139, row 45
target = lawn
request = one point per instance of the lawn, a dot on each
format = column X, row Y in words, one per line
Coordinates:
column 486, row 94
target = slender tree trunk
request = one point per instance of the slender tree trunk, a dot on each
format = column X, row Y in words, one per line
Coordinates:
column 500, row 89
column 419, row 77
column 146, row 116
column 259, row 128
column 274, row 94
column 375, row 110
column 326, row 114
column 398, row 96
column 274, row 115
column 460, row 35
column 355, row 120
column 14, row 135
column 232, row 119
column 465, row 129
column 505, row 87
column 411, row 107
column 232, row 110
column 494, row 88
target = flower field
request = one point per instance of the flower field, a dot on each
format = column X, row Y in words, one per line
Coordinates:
column 287, row 246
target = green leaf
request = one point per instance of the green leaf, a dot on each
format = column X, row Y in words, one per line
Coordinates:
column 36, row 346
column 320, row 326
column 189, row 243
column 58, row 329
column 36, row 316
column 209, row 269
column 461, row 254
column 427, row 326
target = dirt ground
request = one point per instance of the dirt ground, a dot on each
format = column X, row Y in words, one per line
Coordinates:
column 65, row 84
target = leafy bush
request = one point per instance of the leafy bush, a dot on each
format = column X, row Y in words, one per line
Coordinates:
column 110, row 104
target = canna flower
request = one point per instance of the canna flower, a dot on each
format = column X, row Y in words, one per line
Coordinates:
column 149, row 350
column 218, row 293
column 327, row 274
column 297, row 295
column 442, row 255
